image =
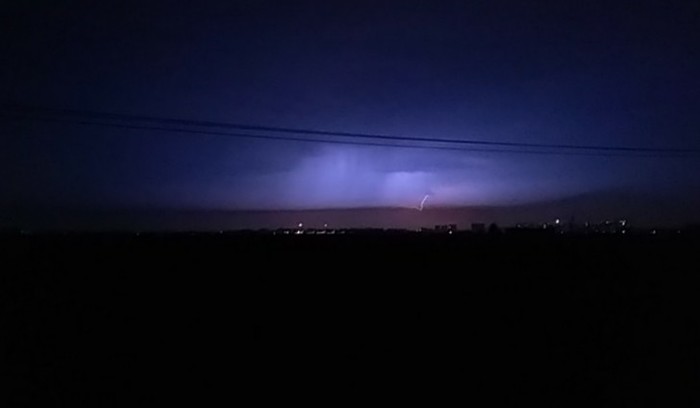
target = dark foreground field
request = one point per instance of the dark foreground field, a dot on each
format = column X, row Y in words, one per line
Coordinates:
column 489, row 321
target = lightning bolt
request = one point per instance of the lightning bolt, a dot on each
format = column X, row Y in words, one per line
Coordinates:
column 422, row 202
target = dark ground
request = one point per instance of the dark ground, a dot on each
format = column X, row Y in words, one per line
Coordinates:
column 560, row 321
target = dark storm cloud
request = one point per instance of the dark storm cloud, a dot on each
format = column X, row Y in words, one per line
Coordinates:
column 620, row 73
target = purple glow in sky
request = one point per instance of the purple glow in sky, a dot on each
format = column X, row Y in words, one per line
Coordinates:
column 349, row 176
column 593, row 73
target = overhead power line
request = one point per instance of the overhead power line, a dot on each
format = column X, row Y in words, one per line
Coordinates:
column 326, row 141
column 115, row 120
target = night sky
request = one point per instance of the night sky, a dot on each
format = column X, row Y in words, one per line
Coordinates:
column 590, row 73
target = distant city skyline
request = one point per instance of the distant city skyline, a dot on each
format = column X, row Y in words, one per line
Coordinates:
column 594, row 208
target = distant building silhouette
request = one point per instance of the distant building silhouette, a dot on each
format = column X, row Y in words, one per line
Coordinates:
column 447, row 228
column 479, row 227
